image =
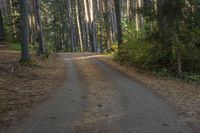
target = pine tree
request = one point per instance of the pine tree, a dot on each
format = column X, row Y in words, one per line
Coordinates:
column 24, row 28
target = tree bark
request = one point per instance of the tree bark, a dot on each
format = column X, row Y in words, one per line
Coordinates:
column 70, row 24
column 79, row 25
column 41, row 48
column 2, row 34
column 118, row 18
column 24, row 28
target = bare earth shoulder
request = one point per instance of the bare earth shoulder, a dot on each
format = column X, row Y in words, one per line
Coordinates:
column 22, row 87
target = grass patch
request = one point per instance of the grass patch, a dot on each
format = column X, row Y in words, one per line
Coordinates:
column 15, row 46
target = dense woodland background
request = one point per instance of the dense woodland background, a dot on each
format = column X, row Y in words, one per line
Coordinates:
column 159, row 35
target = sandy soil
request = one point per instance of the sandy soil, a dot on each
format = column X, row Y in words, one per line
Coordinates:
column 185, row 97
column 23, row 87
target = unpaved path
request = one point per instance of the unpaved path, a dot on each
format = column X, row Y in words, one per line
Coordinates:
column 97, row 99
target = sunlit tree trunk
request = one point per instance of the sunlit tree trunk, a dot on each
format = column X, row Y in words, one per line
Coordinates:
column 92, row 27
column 79, row 25
column 87, row 25
column 128, row 4
column 139, row 19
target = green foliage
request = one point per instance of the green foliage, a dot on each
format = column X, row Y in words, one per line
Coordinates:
column 49, row 50
column 162, row 72
column 114, row 47
column 149, row 49
column 15, row 46
column 134, row 53
column 193, row 77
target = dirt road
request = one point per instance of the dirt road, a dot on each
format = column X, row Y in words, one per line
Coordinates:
column 95, row 98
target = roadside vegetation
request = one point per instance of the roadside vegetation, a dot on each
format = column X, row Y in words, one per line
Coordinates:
column 166, row 40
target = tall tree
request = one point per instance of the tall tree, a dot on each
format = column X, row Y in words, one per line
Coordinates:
column 41, row 48
column 2, row 35
column 79, row 24
column 24, row 28
column 118, row 18
column 108, row 25
column 70, row 24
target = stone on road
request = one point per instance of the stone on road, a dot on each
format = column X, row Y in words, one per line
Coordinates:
column 95, row 98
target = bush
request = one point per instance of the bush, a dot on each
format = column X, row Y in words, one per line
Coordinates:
column 114, row 47
column 134, row 52
column 192, row 77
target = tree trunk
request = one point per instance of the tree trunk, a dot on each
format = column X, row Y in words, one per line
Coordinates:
column 79, row 25
column 178, row 57
column 108, row 25
column 2, row 35
column 101, row 24
column 118, row 18
column 179, row 64
column 41, row 48
column 70, row 24
column 24, row 28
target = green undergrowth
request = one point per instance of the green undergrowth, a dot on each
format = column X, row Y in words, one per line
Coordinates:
column 160, row 71
column 16, row 46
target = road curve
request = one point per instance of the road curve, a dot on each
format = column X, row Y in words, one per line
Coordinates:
column 95, row 98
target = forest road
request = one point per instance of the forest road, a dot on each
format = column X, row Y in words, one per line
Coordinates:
column 96, row 98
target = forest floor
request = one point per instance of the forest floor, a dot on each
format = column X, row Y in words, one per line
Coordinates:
column 22, row 87
column 100, row 96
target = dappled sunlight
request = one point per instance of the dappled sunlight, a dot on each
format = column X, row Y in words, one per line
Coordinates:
column 85, row 57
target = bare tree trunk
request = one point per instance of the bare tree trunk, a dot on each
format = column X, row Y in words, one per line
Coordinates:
column 139, row 19
column 108, row 25
column 101, row 24
column 87, row 20
column 41, row 49
column 178, row 57
column 70, row 24
column 24, row 28
column 79, row 25
column 179, row 64
column 92, row 26
column 2, row 34
column 118, row 18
